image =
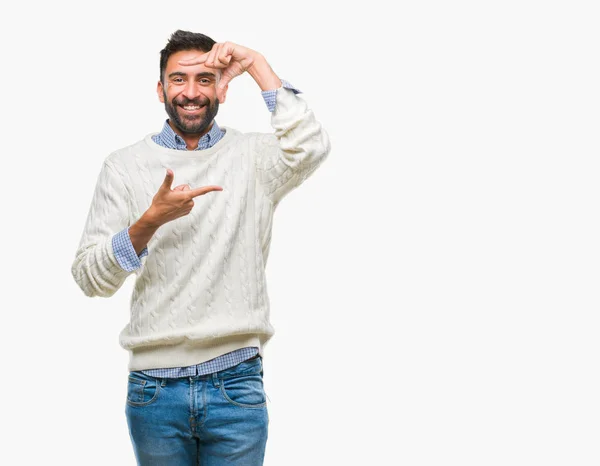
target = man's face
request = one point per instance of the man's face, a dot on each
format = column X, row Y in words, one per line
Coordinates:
column 189, row 93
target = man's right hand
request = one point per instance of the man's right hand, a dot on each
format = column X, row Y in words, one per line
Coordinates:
column 169, row 204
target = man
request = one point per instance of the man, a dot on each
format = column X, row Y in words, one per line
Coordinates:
column 199, row 310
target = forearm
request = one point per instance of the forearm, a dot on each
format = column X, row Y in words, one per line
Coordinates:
column 302, row 141
column 298, row 147
column 263, row 74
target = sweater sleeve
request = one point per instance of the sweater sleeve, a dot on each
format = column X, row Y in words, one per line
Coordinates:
column 95, row 268
column 299, row 145
column 270, row 96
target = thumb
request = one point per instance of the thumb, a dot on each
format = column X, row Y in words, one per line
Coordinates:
column 168, row 180
column 223, row 81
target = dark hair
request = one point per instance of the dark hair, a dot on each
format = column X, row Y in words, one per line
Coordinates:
column 183, row 40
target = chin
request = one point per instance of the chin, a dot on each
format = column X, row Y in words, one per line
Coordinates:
column 194, row 129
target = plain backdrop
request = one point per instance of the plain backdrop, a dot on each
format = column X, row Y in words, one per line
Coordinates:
column 433, row 286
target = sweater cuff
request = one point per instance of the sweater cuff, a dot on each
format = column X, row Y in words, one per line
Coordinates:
column 271, row 96
column 287, row 106
column 125, row 252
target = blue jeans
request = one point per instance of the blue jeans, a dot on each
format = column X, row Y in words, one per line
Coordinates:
column 216, row 419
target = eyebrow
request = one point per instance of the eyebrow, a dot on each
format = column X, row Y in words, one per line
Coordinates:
column 204, row 74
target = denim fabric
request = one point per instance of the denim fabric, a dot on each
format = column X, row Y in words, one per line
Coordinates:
column 214, row 419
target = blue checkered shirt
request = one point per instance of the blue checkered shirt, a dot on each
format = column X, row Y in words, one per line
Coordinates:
column 130, row 261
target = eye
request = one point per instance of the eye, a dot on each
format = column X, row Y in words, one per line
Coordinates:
column 177, row 80
column 205, row 81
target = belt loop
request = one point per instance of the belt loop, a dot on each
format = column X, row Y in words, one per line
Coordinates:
column 215, row 378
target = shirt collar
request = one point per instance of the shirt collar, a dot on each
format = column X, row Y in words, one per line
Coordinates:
column 171, row 140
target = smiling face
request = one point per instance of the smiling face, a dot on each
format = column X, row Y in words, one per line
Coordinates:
column 189, row 94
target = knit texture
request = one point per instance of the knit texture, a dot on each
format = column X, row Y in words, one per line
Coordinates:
column 201, row 290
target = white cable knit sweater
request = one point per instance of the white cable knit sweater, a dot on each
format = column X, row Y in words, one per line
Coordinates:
column 201, row 290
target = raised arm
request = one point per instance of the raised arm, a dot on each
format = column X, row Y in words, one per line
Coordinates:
column 299, row 145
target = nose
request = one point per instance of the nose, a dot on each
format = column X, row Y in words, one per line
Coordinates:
column 192, row 90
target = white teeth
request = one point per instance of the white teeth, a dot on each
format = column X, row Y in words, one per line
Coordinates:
column 192, row 108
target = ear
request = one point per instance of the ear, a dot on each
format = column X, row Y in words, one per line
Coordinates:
column 160, row 92
column 223, row 94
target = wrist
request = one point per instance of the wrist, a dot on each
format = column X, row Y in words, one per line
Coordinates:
column 148, row 220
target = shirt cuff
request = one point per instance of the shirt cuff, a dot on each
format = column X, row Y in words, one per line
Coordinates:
column 125, row 252
column 271, row 96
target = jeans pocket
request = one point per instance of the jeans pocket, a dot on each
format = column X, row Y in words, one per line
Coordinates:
column 142, row 389
column 246, row 391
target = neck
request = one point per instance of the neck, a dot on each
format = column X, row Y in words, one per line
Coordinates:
column 191, row 139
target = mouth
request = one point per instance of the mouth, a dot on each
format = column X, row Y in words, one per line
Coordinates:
column 192, row 109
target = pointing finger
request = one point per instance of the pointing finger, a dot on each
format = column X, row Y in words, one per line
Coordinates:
column 203, row 190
